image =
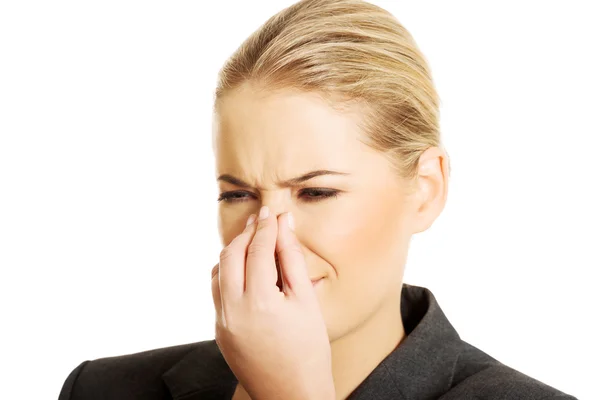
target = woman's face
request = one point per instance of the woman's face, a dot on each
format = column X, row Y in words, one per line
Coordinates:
column 354, row 227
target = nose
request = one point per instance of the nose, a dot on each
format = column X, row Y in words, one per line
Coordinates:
column 278, row 202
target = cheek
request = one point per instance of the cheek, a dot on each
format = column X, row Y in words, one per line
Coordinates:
column 357, row 239
column 366, row 247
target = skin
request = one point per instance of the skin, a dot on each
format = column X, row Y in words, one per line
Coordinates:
column 357, row 241
column 274, row 341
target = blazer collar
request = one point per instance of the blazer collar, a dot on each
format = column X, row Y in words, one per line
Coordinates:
column 421, row 367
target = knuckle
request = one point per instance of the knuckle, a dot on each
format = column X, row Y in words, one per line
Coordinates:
column 261, row 306
column 262, row 223
column 292, row 249
column 226, row 253
column 257, row 248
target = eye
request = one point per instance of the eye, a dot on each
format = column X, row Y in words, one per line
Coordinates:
column 308, row 195
column 318, row 194
column 232, row 197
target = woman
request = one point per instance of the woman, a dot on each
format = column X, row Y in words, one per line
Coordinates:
column 328, row 160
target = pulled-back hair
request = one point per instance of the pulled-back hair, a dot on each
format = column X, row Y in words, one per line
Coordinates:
column 348, row 51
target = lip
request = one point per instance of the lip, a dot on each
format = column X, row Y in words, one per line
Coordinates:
column 316, row 280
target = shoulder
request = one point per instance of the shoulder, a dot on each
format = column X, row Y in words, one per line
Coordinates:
column 479, row 376
column 137, row 375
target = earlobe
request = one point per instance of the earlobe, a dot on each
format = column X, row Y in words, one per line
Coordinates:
column 432, row 187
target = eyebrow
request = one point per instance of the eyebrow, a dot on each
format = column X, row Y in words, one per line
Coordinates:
column 287, row 183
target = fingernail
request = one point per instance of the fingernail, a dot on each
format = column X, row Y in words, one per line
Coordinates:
column 251, row 219
column 264, row 212
column 290, row 218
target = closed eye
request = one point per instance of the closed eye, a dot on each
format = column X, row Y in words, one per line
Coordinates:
column 307, row 195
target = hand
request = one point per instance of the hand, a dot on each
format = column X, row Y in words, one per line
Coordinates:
column 275, row 342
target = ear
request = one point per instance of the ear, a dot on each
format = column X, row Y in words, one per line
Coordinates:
column 431, row 187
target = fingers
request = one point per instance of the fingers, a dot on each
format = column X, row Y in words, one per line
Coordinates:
column 261, row 273
column 291, row 259
column 232, row 263
column 247, row 264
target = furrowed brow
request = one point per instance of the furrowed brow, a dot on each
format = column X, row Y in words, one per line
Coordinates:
column 287, row 183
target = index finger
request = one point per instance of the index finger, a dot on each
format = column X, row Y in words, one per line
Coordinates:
column 232, row 263
column 261, row 272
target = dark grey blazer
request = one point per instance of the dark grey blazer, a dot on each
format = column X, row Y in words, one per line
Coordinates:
column 432, row 362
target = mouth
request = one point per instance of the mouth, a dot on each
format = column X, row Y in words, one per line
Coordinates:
column 316, row 280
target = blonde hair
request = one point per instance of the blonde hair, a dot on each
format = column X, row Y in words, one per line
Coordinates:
column 350, row 51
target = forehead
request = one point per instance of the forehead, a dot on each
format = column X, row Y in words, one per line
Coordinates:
column 283, row 133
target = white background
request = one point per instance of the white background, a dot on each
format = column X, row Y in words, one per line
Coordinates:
column 108, row 197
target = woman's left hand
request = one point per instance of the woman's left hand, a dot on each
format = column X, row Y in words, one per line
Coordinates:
column 275, row 342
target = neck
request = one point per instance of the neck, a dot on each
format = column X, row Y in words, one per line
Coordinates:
column 355, row 355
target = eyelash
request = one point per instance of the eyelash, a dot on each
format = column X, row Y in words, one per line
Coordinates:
column 231, row 197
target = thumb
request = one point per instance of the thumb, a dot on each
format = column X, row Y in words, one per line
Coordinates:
column 294, row 274
column 216, row 293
